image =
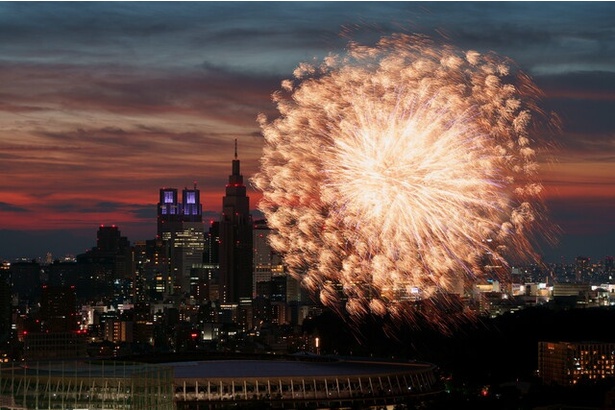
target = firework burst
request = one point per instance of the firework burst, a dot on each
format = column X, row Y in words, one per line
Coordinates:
column 392, row 171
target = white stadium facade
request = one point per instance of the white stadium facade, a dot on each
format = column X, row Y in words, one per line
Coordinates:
column 309, row 382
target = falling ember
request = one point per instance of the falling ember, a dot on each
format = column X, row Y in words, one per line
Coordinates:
column 393, row 171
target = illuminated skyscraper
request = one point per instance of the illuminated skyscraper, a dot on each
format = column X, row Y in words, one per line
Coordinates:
column 235, row 240
column 568, row 363
column 204, row 283
column 180, row 226
column 267, row 263
column 168, row 209
column 583, row 269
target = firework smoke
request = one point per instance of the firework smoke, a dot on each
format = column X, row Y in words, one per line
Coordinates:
column 394, row 170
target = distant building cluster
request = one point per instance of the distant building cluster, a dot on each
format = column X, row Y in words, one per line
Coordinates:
column 580, row 284
column 197, row 285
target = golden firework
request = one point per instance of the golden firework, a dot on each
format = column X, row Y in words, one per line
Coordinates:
column 394, row 169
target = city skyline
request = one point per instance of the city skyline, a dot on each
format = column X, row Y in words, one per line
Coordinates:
column 103, row 104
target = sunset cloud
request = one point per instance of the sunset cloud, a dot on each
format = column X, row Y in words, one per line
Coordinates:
column 102, row 104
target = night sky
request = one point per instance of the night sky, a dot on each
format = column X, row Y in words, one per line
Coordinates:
column 102, row 104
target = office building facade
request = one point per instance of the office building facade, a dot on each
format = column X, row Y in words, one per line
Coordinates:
column 235, row 240
column 180, row 227
column 569, row 363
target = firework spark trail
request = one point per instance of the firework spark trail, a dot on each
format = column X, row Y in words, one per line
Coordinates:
column 391, row 171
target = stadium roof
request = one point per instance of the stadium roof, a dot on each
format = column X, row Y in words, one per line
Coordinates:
column 283, row 368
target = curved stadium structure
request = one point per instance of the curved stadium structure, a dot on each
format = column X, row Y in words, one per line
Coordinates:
column 292, row 384
column 287, row 383
column 86, row 385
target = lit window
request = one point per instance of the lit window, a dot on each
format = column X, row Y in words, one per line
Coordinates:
column 190, row 197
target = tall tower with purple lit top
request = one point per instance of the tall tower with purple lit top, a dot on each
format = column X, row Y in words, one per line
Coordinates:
column 180, row 226
column 168, row 209
column 235, row 239
column 191, row 209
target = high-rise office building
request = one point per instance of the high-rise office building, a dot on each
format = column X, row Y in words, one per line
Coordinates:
column 235, row 239
column 108, row 265
column 168, row 209
column 269, row 271
column 205, row 278
column 267, row 263
column 55, row 333
column 568, row 363
column 58, row 311
column 180, row 226
column 212, row 249
column 582, row 269
column 25, row 279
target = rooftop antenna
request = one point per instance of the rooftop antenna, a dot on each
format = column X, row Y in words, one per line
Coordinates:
column 235, row 148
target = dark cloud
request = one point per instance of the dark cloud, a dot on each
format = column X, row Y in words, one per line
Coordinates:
column 584, row 84
column 210, row 91
column 585, row 115
column 96, row 137
column 504, row 37
column 571, row 215
column 143, row 33
column 584, row 102
column 6, row 207
column 124, row 147
column 41, row 147
column 86, row 207
column 90, row 23
column 109, row 207
column 7, row 106
column 145, row 212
